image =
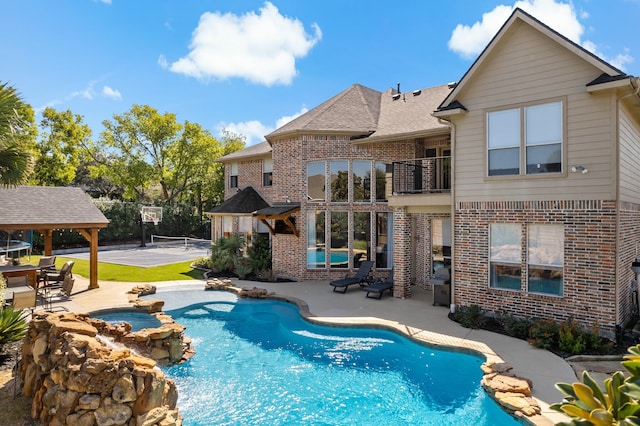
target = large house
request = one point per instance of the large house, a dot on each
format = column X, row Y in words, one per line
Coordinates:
column 520, row 178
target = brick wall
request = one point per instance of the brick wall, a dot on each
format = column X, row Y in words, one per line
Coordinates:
column 249, row 174
column 590, row 274
column 290, row 158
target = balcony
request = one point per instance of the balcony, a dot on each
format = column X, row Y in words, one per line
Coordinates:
column 422, row 184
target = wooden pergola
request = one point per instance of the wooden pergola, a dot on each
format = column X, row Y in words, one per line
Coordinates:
column 47, row 208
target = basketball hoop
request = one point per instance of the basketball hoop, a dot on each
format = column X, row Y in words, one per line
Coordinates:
column 155, row 221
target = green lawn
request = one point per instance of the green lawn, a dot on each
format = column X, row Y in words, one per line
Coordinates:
column 111, row 272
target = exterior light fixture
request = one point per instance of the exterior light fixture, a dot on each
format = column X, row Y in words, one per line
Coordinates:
column 576, row 169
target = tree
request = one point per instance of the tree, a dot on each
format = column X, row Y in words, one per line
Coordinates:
column 17, row 130
column 149, row 151
column 62, row 149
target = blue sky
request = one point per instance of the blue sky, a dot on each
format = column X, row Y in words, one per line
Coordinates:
column 251, row 66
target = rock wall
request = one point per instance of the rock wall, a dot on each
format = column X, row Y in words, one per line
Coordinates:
column 78, row 377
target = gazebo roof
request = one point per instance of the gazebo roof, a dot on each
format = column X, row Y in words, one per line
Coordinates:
column 48, row 207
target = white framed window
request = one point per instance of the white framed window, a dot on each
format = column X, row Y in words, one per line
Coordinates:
column 545, row 259
column 233, row 176
column 267, row 172
column 531, row 135
column 505, row 256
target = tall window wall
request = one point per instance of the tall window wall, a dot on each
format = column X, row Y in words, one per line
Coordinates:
column 349, row 237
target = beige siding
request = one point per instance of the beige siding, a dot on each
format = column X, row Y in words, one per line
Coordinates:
column 528, row 67
column 629, row 157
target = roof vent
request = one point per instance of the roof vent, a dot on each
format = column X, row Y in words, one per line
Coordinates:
column 416, row 92
column 399, row 88
column 452, row 85
column 396, row 96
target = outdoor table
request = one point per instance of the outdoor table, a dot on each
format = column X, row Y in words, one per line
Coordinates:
column 29, row 271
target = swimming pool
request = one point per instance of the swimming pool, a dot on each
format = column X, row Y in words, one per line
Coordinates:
column 137, row 319
column 259, row 362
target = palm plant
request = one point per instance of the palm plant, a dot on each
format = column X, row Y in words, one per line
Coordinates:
column 225, row 251
column 14, row 161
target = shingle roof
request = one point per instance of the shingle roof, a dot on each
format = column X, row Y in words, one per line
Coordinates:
column 410, row 112
column 258, row 150
column 246, row 201
column 360, row 111
column 355, row 110
column 278, row 209
column 33, row 206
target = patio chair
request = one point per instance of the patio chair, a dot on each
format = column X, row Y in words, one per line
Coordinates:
column 379, row 286
column 46, row 264
column 361, row 277
column 24, row 300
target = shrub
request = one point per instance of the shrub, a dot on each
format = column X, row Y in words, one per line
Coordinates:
column 514, row 326
column 571, row 338
column 225, row 251
column 470, row 316
column 260, row 255
column 543, row 334
column 242, row 267
column 202, row 263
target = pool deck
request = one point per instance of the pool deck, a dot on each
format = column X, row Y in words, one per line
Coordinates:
column 415, row 316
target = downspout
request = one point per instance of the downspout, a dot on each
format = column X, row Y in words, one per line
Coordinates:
column 452, row 126
column 635, row 91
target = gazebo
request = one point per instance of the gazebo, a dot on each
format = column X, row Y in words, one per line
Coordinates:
column 46, row 208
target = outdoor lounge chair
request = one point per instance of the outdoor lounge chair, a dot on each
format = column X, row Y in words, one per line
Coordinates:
column 379, row 287
column 361, row 277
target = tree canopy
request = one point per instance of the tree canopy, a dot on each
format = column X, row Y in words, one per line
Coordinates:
column 16, row 130
column 152, row 156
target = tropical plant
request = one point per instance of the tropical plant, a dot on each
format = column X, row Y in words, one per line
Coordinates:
column 242, row 267
column 225, row 251
column 617, row 404
column 13, row 325
column 14, row 159
column 260, row 254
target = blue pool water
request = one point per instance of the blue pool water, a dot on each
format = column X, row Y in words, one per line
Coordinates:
column 138, row 320
column 259, row 362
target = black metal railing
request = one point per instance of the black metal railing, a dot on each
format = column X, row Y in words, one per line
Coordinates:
column 422, row 176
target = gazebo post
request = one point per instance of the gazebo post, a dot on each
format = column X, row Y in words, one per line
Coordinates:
column 48, row 241
column 91, row 235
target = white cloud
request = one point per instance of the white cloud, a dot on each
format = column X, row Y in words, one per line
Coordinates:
column 469, row 41
column 261, row 48
column 254, row 131
column 111, row 93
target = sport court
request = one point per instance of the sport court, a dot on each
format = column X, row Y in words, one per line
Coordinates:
column 156, row 254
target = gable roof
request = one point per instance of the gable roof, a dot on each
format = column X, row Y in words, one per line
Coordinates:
column 353, row 111
column 48, row 207
column 245, row 202
column 261, row 149
column 519, row 15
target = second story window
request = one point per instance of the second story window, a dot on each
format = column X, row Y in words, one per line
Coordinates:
column 339, row 179
column 267, row 172
column 315, row 181
column 233, row 176
column 525, row 139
